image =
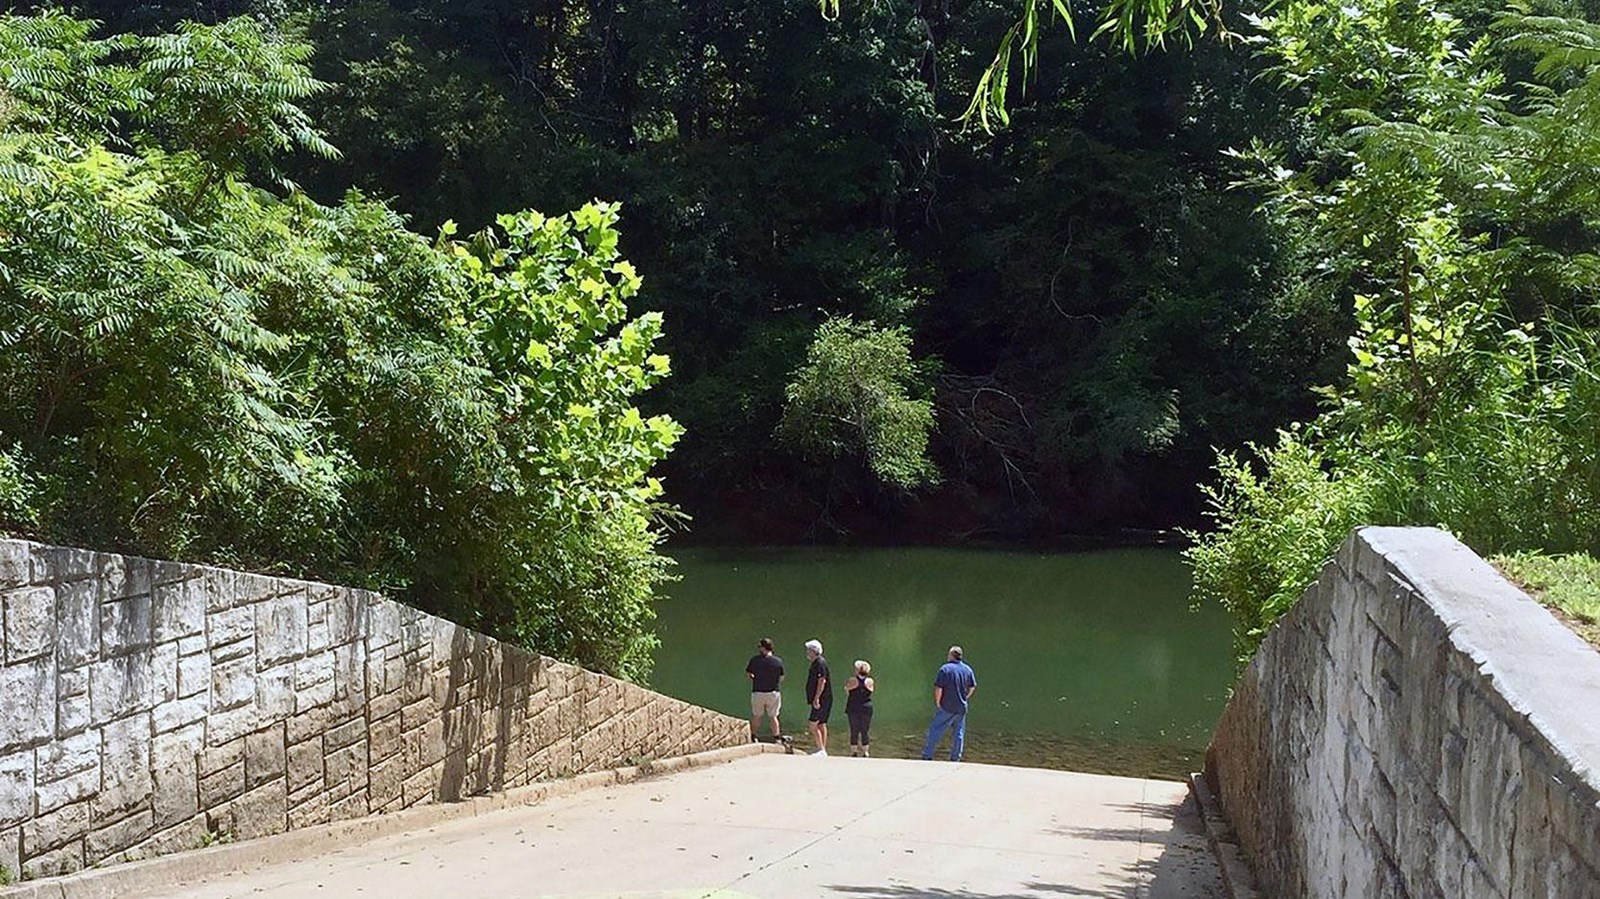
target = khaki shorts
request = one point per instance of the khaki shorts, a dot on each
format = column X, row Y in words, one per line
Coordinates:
column 765, row 705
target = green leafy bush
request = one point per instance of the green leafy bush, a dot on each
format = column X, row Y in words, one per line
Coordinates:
column 855, row 395
column 1273, row 531
column 1470, row 398
column 198, row 361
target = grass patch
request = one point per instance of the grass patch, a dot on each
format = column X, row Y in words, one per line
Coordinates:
column 1568, row 585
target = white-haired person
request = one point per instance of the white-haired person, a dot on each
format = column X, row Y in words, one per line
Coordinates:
column 819, row 694
column 858, row 708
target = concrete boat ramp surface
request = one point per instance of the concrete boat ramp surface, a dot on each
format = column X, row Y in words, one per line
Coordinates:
column 785, row 827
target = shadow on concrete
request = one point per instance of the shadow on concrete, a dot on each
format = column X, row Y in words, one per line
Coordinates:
column 1180, row 865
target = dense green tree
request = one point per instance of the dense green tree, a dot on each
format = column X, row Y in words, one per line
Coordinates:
column 854, row 396
column 1097, row 309
column 199, row 362
column 1453, row 193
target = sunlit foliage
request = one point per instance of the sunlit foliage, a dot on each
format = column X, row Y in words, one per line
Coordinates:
column 199, row 361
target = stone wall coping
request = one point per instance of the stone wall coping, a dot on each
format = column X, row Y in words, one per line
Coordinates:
column 1543, row 671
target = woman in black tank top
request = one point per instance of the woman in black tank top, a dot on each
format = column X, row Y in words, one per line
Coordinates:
column 858, row 708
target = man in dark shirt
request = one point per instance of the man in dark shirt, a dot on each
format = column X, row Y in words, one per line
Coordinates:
column 953, row 686
column 765, row 672
column 819, row 692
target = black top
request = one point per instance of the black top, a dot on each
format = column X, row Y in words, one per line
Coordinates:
column 819, row 671
column 767, row 669
column 859, row 697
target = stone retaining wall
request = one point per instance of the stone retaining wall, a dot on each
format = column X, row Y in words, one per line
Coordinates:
column 1415, row 727
column 149, row 707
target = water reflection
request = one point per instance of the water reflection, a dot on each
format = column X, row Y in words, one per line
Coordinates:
column 1090, row 661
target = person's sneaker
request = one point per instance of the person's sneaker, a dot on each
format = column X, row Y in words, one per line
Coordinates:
column 820, row 752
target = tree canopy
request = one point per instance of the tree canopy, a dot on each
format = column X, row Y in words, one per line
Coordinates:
column 1341, row 266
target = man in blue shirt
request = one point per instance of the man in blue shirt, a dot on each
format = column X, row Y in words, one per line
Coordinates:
column 952, row 688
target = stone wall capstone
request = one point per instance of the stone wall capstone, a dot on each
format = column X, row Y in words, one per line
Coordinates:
column 149, row 707
column 1415, row 727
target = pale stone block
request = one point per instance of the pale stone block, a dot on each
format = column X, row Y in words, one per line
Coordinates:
column 233, row 683
column 63, row 563
column 188, row 646
column 384, row 781
column 425, row 745
column 77, row 624
column 16, row 787
column 30, row 615
column 30, row 711
column 179, row 713
column 350, row 676
column 222, row 590
column 224, row 727
column 384, row 705
column 344, row 734
column 103, row 842
column 191, row 833
column 217, row 789
column 72, row 702
column 318, row 636
column 164, row 672
column 221, row 755
column 238, row 649
column 194, row 674
column 383, row 623
column 121, row 577
column 280, row 627
column 258, row 813
column 62, row 758
column 167, row 572
column 308, row 724
column 73, row 788
column 55, row 863
column 346, row 769
column 16, row 567
column 352, row 806
column 125, row 625
column 420, row 787
column 384, row 738
column 179, row 609
column 174, row 773
column 125, row 768
column 304, row 764
column 264, row 756
column 119, row 687
column 308, row 807
column 318, row 599
column 275, row 693
column 55, row 829
column 349, row 616
column 313, row 678
column 230, row 625
column 416, row 714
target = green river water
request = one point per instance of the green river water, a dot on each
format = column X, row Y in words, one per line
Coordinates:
column 1085, row 661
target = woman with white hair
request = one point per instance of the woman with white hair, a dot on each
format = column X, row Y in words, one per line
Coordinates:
column 858, row 708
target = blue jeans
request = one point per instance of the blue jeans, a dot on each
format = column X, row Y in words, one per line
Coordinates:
column 942, row 721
